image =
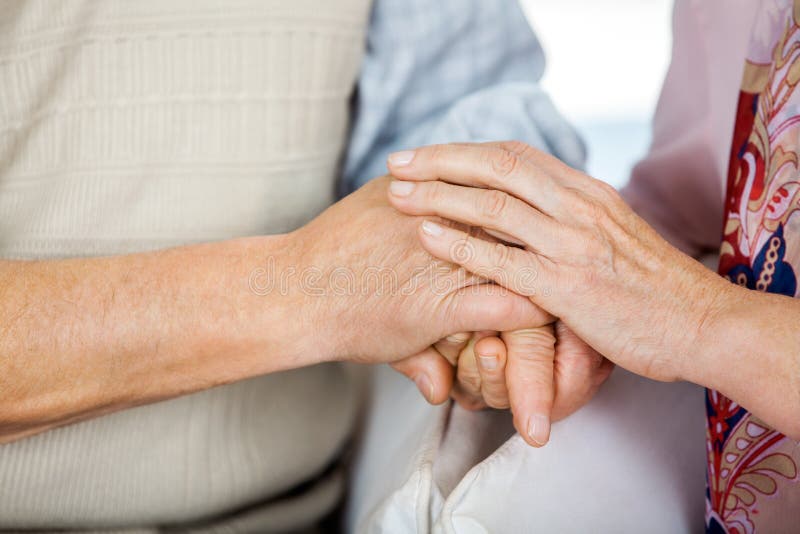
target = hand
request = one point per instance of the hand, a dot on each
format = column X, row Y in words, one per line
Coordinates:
column 370, row 293
column 542, row 378
column 585, row 256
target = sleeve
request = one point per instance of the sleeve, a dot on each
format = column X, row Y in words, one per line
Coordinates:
column 441, row 71
column 679, row 186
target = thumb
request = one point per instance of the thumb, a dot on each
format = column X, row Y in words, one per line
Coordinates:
column 531, row 382
column 431, row 372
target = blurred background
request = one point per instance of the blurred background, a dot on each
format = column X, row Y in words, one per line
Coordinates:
column 607, row 87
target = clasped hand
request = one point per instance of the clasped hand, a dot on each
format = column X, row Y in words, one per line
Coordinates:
column 571, row 245
column 366, row 290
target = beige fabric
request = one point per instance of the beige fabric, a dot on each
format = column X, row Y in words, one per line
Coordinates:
column 631, row 461
column 134, row 125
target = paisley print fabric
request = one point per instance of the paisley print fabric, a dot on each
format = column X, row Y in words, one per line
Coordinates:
column 753, row 483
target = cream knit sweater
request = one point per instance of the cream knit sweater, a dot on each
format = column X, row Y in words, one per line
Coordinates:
column 128, row 125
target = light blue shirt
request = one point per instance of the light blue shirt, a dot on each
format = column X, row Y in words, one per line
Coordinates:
column 440, row 71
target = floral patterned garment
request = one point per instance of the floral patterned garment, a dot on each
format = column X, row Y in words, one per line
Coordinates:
column 753, row 483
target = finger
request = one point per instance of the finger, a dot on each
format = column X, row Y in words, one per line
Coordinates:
column 485, row 306
column 467, row 388
column 492, row 236
column 487, row 208
column 491, row 355
column 431, row 372
column 579, row 372
column 487, row 166
column 451, row 346
column 531, row 388
column 560, row 171
column 522, row 271
column 551, row 164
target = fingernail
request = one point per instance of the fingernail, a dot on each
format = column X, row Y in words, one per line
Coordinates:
column 539, row 429
column 425, row 386
column 488, row 362
column 400, row 188
column 432, row 229
column 401, row 159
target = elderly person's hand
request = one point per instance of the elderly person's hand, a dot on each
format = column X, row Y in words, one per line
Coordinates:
column 370, row 293
column 576, row 249
column 370, row 271
column 585, row 256
column 543, row 374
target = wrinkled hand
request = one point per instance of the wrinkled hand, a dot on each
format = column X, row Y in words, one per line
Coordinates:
column 370, row 293
column 586, row 257
column 543, row 374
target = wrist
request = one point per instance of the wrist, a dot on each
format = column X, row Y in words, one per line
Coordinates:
column 287, row 318
column 716, row 328
column 751, row 358
column 284, row 285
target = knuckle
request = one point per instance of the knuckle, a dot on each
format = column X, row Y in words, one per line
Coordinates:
column 434, row 153
column 604, row 197
column 537, row 378
column 594, row 214
column 583, row 205
column 538, row 357
column 503, row 162
column 501, row 255
column 579, row 208
column 603, row 209
column 592, row 247
column 595, row 210
column 493, row 205
column 470, row 383
column 534, row 336
column 605, row 191
column 433, row 191
column 458, row 339
column 517, row 147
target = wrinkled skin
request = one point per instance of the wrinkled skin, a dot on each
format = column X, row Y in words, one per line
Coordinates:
column 361, row 240
column 598, row 266
column 423, row 301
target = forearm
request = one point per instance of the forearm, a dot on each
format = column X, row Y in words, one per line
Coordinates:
column 84, row 337
column 750, row 352
column 750, row 349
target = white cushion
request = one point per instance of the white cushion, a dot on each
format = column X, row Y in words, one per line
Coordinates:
column 633, row 460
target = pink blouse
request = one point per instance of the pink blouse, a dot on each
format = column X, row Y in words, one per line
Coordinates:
column 723, row 174
column 680, row 185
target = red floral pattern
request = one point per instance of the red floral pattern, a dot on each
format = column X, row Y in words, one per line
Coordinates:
column 752, row 469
